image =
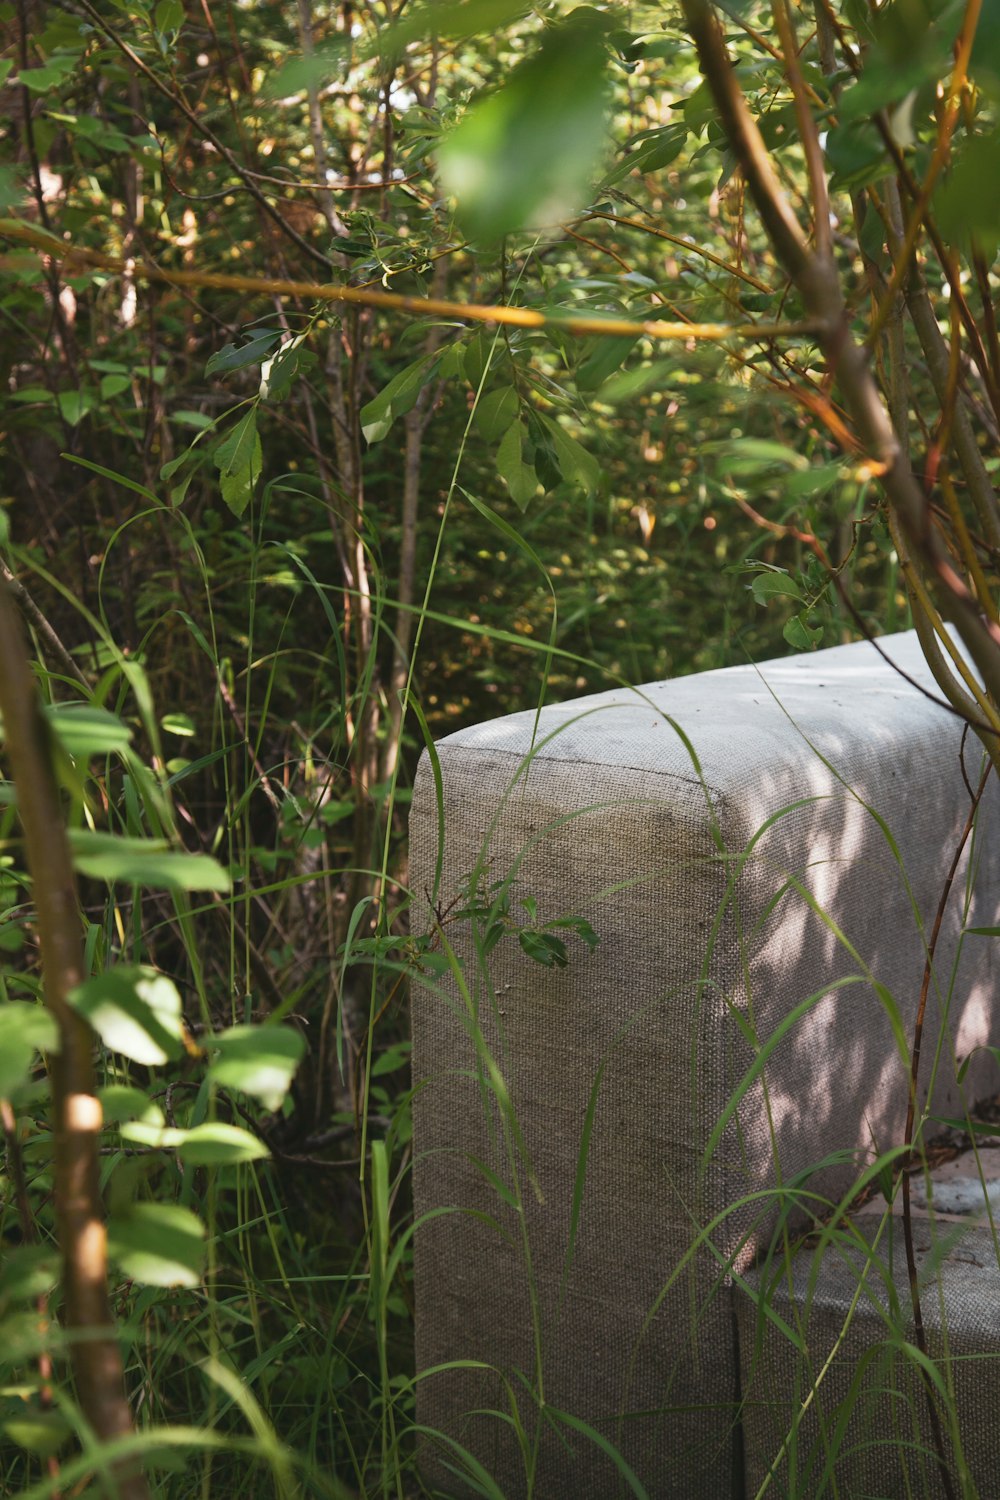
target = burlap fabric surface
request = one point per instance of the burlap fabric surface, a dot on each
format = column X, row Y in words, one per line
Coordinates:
column 750, row 846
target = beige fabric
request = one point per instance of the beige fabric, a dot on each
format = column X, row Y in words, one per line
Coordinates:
column 889, row 1448
column 721, row 833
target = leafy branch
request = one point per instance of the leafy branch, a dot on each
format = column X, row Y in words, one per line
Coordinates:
column 814, row 275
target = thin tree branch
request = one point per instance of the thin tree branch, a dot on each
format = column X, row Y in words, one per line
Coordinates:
column 918, row 1028
column 75, row 259
column 95, row 1356
column 816, row 280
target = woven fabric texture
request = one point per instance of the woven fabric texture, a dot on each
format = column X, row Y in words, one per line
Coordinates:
column 759, row 851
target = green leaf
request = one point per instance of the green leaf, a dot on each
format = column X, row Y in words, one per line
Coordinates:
column 120, row 1102
column 576, row 465
column 168, row 15
column 180, row 724
column 456, row 20
column 543, row 948
column 42, row 1433
column 40, row 80
column 605, row 357
column 105, row 856
column 278, row 373
column 218, row 1144
column 396, row 399
column 516, row 472
column 235, row 357
column 28, row 1272
column 811, row 481
column 238, row 486
column 745, row 456
column 300, row 74
column 12, row 189
column 857, row 155
column 158, row 1244
column 25, row 1029
column 580, row 926
column 768, row 586
column 700, row 108
column 237, row 449
column 632, row 383
column 985, row 65
column 258, row 1060
column 86, row 730
column 135, row 1010
column 525, row 154
column 215, row 1144
column 656, row 150
column 496, row 411
column 800, row 634
column 113, row 385
column 74, row 405
column 966, row 214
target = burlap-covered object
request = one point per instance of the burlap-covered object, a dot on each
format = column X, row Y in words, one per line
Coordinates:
column 756, row 850
column 856, row 1307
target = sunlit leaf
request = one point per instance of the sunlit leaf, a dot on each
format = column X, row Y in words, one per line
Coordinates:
column 217, row 1144
column 525, row 154
column 158, row 1244
column 180, row 724
column 213, row 1144
column 258, row 1060
column 136, row 1011
column 120, row 1102
column 278, row 374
